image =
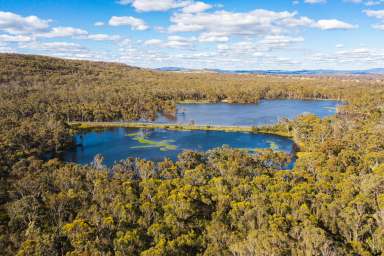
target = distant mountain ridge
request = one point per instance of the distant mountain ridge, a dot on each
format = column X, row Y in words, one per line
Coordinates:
column 373, row 71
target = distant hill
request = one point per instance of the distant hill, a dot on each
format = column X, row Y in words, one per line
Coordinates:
column 374, row 71
column 172, row 69
column 189, row 70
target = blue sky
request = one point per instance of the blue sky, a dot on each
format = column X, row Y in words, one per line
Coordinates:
column 250, row 34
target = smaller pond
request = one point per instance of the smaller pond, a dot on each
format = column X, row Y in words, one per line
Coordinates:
column 263, row 113
column 120, row 143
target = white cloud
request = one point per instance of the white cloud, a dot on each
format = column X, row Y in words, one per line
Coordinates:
column 279, row 41
column 153, row 42
column 98, row 24
column 15, row 38
column 254, row 22
column 64, row 32
column 4, row 47
column 354, row 1
column 179, row 42
column 171, row 42
column 251, row 55
column 196, row 7
column 125, row 43
column 64, row 50
column 245, row 40
column 378, row 26
column 213, row 37
column 379, row 14
column 223, row 47
column 333, row 25
column 55, row 47
column 266, row 44
column 103, row 37
column 154, row 5
column 365, row 2
column 77, row 34
column 373, row 3
column 258, row 23
column 134, row 23
column 353, row 58
column 16, row 24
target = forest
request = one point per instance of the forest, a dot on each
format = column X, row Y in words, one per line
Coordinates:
column 220, row 202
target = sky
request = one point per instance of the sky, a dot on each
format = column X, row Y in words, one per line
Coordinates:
column 222, row 34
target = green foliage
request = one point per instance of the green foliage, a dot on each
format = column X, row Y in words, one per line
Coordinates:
column 221, row 202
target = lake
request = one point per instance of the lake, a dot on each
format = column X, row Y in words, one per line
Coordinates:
column 264, row 113
column 120, row 143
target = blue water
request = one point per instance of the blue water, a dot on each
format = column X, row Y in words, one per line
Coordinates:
column 264, row 113
column 116, row 144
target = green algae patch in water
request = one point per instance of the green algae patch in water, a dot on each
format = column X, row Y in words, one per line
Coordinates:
column 273, row 145
column 163, row 145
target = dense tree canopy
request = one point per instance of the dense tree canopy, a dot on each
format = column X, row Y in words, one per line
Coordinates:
column 222, row 202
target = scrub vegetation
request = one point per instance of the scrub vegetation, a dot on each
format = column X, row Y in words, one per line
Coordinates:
column 221, row 202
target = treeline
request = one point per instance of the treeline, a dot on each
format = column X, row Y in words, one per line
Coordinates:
column 87, row 91
column 223, row 202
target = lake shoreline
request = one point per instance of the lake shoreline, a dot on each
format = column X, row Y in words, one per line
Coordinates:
column 230, row 101
column 181, row 127
column 229, row 118
column 170, row 140
column 266, row 129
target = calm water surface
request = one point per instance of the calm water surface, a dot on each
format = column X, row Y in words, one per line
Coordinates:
column 120, row 143
column 265, row 112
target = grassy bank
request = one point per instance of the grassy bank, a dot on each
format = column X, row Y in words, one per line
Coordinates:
column 275, row 129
